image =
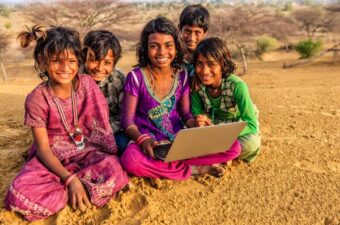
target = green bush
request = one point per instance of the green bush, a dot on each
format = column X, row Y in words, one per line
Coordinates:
column 8, row 25
column 265, row 44
column 308, row 48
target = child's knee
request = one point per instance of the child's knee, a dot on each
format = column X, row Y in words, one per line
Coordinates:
column 250, row 147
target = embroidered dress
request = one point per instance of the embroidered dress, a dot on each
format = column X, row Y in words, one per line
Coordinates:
column 161, row 119
column 38, row 193
column 233, row 105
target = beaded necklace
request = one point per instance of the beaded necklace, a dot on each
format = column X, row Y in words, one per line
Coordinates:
column 77, row 136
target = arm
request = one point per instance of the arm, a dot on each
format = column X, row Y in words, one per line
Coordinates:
column 246, row 108
column 184, row 106
column 198, row 110
column 78, row 196
column 129, row 105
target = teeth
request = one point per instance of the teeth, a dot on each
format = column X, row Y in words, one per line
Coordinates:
column 161, row 59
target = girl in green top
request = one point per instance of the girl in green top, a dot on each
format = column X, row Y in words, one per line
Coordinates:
column 219, row 96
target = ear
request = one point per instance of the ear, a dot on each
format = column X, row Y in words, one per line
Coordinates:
column 205, row 34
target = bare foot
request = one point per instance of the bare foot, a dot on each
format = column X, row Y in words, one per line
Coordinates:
column 214, row 170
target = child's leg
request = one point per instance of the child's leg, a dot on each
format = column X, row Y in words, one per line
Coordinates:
column 250, row 147
column 223, row 157
column 102, row 175
column 138, row 164
column 36, row 192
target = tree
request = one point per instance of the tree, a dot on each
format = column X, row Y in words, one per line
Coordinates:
column 313, row 20
column 81, row 14
column 239, row 24
column 4, row 42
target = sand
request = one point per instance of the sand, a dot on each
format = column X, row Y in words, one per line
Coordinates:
column 295, row 180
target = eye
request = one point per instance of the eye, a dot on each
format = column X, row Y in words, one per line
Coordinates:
column 153, row 46
column 108, row 63
column 169, row 45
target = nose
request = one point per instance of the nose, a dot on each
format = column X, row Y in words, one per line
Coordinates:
column 192, row 36
column 161, row 50
column 64, row 65
column 99, row 65
column 205, row 69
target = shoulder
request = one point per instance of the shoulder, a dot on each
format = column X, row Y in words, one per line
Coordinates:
column 234, row 78
column 135, row 76
column 37, row 92
column 118, row 73
column 183, row 76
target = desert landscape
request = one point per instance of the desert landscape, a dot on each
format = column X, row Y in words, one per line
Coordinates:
column 295, row 180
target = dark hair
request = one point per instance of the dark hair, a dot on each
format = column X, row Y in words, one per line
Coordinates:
column 195, row 15
column 218, row 50
column 100, row 42
column 164, row 26
column 50, row 42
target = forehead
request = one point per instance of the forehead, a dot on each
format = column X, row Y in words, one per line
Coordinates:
column 203, row 58
column 109, row 54
column 160, row 38
column 192, row 28
column 66, row 53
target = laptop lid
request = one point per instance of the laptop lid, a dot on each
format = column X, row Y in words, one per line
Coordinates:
column 200, row 141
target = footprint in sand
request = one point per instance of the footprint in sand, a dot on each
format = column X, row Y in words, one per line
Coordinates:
column 332, row 166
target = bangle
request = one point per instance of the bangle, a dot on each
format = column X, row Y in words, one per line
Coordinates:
column 69, row 179
column 142, row 138
column 129, row 127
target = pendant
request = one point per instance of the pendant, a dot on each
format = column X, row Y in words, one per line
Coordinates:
column 78, row 139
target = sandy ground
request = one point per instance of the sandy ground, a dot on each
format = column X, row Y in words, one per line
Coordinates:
column 295, row 180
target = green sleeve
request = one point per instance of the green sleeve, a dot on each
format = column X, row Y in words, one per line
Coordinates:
column 245, row 107
column 197, row 106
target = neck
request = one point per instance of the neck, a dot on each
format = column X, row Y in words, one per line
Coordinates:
column 62, row 91
column 216, row 86
column 161, row 72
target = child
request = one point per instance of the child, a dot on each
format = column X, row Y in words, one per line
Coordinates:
column 156, row 106
column 102, row 51
column 194, row 24
column 72, row 157
column 220, row 96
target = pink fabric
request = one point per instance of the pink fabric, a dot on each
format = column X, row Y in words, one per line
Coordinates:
column 93, row 114
column 137, row 163
column 38, row 193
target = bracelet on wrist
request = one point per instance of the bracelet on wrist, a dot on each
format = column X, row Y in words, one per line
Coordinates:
column 68, row 180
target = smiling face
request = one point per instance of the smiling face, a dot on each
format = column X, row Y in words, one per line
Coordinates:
column 191, row 36
column 161, row 50
column 99, row 69
column 209, row 71
column 62, row 68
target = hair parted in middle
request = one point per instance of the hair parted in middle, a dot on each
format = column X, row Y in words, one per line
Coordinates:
column 195, row 15
column 164, row 26
column 100, row 42
column 50, row 42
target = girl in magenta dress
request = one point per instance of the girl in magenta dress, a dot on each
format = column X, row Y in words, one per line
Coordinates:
column 73, row 157
column 156, row 106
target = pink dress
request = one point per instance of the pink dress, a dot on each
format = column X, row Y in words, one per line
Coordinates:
column 38, row 193
column 161, row 119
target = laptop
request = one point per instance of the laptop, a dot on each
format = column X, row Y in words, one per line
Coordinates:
column 199, row 141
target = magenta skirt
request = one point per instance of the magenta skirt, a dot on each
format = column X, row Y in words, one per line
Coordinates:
column 37, row 193
column 136, row 163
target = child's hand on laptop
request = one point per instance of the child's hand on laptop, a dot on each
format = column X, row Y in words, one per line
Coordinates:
column 147, row 146
column 203, row 120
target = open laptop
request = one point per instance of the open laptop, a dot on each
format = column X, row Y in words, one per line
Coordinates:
column 200, row 141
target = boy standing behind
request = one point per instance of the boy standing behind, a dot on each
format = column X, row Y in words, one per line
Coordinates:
column 194, row 24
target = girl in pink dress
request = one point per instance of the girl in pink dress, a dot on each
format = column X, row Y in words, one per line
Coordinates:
column 73, row 157
column 156, row 105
